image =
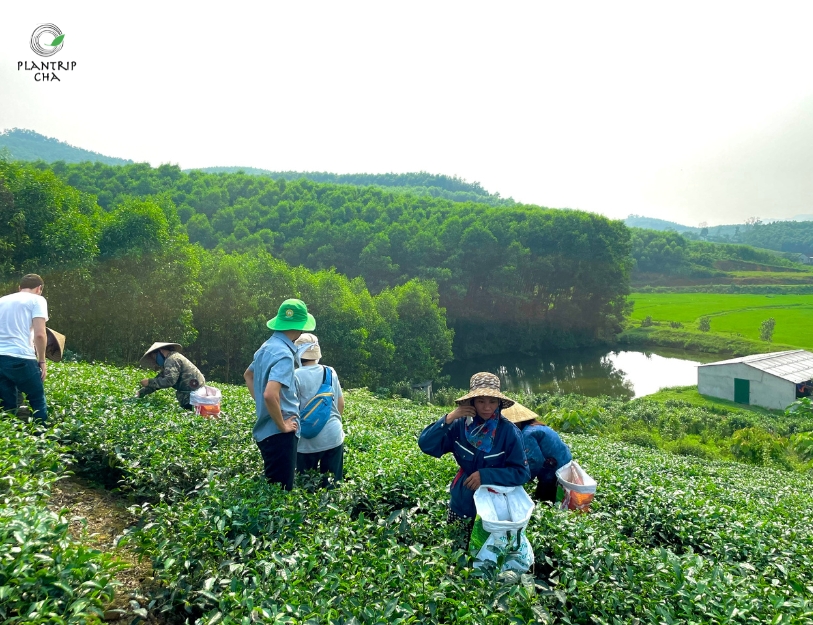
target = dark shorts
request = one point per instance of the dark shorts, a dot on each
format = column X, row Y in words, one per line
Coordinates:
column 546, row 487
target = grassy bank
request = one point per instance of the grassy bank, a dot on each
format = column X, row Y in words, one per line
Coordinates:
column 726, row 345
column 690, row 395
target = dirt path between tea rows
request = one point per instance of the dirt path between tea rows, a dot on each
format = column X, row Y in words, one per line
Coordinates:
column 97, row 518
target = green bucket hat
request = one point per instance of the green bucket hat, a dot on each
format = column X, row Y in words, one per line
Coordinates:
column 293, row 315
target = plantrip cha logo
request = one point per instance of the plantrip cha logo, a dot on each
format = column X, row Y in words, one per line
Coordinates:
column 46, row 40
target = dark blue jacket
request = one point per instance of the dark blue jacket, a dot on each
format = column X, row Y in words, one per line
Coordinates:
column 503, row 465
column 541, row 443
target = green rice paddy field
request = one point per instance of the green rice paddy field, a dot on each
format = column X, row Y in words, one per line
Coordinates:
column 733, row 314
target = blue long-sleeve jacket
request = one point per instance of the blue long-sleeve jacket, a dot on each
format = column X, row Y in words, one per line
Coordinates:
column 503, row 465
column 541, row 443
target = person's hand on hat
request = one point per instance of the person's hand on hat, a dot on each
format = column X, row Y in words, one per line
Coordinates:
column 461, row 412
column 473, row 481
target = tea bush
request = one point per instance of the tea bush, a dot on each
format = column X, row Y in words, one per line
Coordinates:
column 45, row 575
column 159, row 447
column 670, row 539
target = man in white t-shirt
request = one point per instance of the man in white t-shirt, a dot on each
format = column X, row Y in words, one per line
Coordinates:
column 22, row 346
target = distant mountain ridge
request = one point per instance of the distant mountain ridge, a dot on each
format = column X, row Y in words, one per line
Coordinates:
column 729, row 232
column 653, row 223
column 793, row 236
column 27, row 145
column 418, row 183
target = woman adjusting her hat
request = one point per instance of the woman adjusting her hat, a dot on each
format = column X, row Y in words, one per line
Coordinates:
column 487, row 447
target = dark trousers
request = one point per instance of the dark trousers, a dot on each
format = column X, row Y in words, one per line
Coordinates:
column 279, row 458
column 328, row 461
column 546, row 487
column 22, row 374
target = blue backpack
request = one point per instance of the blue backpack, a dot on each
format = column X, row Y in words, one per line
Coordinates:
column 316, row 412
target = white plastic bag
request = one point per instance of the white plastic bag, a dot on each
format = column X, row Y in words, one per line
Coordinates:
column 206, row 401
column 576, row 488
column 503, row 513
column 509, row 502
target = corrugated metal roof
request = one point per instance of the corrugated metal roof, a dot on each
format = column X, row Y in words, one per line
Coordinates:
column 795, row 366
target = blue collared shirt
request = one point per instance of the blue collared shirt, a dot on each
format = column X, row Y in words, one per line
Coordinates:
column 275, row 361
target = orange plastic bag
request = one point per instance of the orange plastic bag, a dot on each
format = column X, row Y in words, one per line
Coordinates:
column 206, row 401
column 575, row 489
column 205, row 410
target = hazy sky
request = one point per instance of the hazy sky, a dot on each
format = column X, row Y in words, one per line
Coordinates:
column 684, row 111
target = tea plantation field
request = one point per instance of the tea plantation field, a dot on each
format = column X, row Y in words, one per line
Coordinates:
column 733, row 313
column 671, row 539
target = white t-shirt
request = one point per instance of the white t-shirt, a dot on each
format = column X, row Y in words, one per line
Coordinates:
column 308, row 381
column 17, row 312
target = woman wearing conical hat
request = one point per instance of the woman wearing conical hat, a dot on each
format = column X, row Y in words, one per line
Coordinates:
column 487, row 447
column 545, row 450
column 177, row 372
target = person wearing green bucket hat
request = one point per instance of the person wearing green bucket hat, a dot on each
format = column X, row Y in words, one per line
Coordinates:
column 270, row 380
column 293, row 315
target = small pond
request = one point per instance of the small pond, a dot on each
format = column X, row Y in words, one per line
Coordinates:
column 625, row 373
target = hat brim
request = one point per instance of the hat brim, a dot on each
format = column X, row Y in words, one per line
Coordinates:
column 289, row 324
column 519, row 413
column 311, row 354
column 486, row 392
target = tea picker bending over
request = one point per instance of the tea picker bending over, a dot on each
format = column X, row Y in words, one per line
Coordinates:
column 487, row 447
column 545, row 450
column 177, row 372
column 321, row 444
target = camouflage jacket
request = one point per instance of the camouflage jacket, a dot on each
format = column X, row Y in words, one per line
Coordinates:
column 177, row 373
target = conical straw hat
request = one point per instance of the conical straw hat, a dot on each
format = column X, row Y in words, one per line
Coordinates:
column 148, row 359
column 519, row 413
column 55, row 345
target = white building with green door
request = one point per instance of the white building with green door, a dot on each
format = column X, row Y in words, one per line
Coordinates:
column 768, row 380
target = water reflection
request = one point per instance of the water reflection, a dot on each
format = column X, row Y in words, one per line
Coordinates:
column 623, row 374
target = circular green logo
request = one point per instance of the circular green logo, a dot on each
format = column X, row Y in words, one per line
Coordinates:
column 46, row 40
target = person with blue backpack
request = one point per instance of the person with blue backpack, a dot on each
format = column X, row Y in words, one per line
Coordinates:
column 321, row 404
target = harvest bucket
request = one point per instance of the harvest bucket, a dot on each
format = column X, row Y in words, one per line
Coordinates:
column 576, row 489
column 206, row 401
